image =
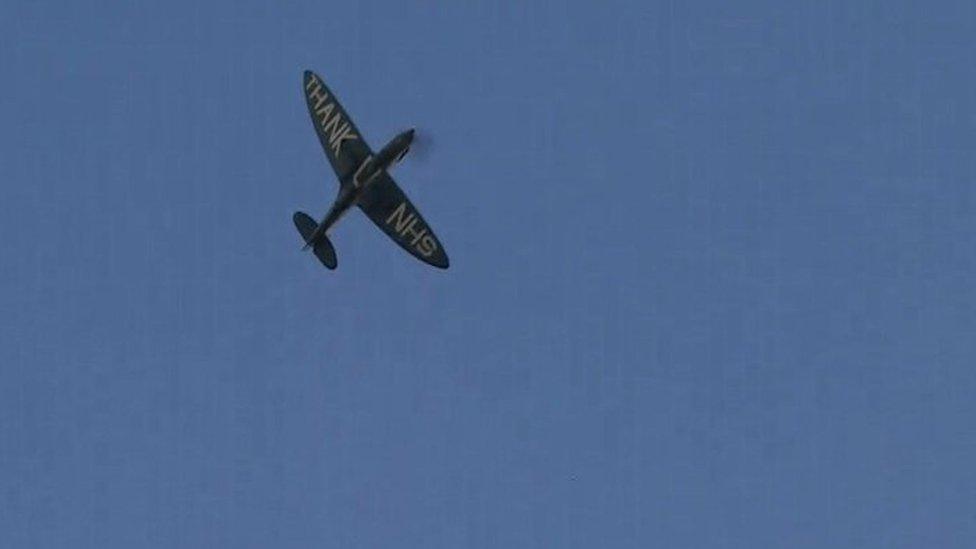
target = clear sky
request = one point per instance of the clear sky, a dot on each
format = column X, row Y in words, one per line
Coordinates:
column 711, row 284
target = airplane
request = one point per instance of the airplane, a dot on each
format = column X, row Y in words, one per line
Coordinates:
column 364, row 181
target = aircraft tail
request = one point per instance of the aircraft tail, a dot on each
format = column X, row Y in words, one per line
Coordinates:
column 320, row 246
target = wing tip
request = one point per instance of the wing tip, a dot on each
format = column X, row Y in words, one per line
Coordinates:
column 442, row 264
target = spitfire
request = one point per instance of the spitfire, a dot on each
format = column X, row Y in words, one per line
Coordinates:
column 364, row 181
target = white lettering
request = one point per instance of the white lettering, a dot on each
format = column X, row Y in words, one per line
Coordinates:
column 345, row 134
column 337, row 131
column 324, row 113
column 407, row 225
column 331, row 124
column 317, row 94
column 330, row 116
column 427, row 246
column 409, row 230
column 398, row 214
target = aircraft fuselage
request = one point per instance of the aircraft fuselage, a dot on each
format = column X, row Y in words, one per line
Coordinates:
column 372, row 167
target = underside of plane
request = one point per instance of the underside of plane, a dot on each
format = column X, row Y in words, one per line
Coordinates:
column 364, row 181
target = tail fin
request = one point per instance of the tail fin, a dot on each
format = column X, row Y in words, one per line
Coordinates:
column 321, row 247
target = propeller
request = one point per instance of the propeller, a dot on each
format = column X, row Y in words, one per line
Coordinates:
column 421, row 145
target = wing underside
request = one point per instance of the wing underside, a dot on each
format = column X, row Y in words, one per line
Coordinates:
column 390, row 209
column 341, row 141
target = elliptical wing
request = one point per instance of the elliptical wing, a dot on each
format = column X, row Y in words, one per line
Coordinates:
column 341, row 141
column 390, row 209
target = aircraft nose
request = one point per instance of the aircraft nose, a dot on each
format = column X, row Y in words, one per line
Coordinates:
column 410, row 133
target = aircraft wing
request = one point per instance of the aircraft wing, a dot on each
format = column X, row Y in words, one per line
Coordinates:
column 391, row 210
column 340, row 139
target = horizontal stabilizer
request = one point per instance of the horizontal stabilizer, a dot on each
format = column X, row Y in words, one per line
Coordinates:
column 321, row 247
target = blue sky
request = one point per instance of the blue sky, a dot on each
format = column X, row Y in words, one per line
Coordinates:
column 711, row 277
